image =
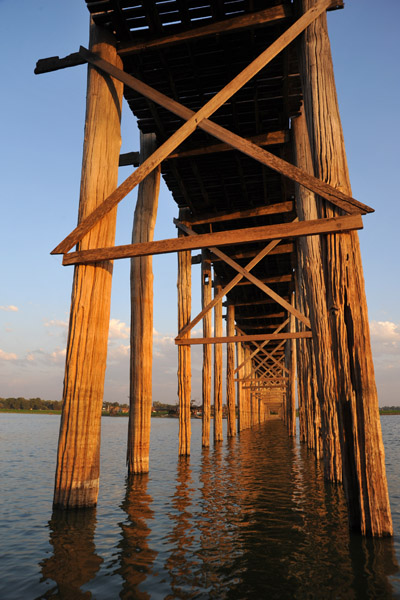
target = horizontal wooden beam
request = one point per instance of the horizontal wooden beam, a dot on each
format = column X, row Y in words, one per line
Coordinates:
column 239, row 254
column 129, row 159
column 264, row 139
column 244, row 338
column 274, row 279
column 256, row 19
column 220, row 238
column 55, row 63
column 254, row 302
column 272, row 209
column 278, row 315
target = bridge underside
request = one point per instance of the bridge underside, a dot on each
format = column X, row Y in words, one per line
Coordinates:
column 237, row 109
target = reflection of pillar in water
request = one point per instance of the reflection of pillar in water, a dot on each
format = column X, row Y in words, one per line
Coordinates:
column 182, row 562
column 136, row 557
column 74, row 561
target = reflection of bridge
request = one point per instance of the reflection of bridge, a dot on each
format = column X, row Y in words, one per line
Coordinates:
column 269, row 205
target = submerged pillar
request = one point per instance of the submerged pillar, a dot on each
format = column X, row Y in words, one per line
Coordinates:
column 206, row 293
column 142, row 317
column 78, row 459
column 364, row 474
column 217, row 368
column 230, row 368
column 239, row 388
column 184, row 353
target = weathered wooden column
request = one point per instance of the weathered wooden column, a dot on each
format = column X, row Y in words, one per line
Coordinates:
column 217, row 368
column 247, row 391
column 291, row 400
column 184, row 354
column 230, row 368
column 142, row 317
column 364, row 475
column 206, row 286
column 78, row 460
column 312, row 272
column 239, row 389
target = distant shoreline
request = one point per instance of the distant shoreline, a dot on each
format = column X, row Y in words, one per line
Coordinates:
column 107, row 414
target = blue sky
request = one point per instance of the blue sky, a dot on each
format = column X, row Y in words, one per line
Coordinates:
column 42, row 119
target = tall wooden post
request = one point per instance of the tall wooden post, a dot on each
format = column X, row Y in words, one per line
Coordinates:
column 78, row 460
column 230, row 368
column 184, row 354
column 142, row 317
column 291, row 401
column 247, row 391
column 312, row 273
column 239, row 389
column 364, row 475
column 206, row 285
column 217, row 368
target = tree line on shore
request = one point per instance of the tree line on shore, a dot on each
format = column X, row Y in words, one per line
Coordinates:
column 115, row 407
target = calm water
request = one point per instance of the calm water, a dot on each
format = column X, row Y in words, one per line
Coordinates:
column 244, row 520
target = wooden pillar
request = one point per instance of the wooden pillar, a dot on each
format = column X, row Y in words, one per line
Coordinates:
column 142, row 317
column 78, row 460
column 206, row 285
column 184, row 354
column 364, row 475
column 247, row 391
column 312, row 269
column 217, row 368
column 239, row 389
column 230, row 368
column 291, row 399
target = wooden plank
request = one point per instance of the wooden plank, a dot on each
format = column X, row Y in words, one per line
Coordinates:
column 237, row 255
column 194, row 120
column 221, row 238
column 256, row 19
column 55, row 63
column 264, row 139
column 243, row 338
column 263, row 316
column 274, row 279
column 254, row 302
column 272, row 209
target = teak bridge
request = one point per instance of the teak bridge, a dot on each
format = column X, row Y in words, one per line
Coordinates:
column 237, row 108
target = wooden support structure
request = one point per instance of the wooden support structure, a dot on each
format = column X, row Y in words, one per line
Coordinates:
column 78, row 459
column 142, row 318
column 206, row 281
column 217, row 368
column 230, row 368
column 283, row 207
column 363, row 462
column 184, row 354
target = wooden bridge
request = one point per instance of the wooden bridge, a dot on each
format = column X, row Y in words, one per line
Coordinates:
column 237, row 109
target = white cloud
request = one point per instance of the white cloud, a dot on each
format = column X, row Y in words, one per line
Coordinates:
column 9, row 308
column 385, row 338
column 118, row 330
column 56, row 323
column 7, row 355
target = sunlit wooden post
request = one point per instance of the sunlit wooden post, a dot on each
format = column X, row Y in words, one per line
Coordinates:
column 78, row 460
column 184, row 353
column 230, row 368
column 206, row 287
column 364, row 475
column 291, row 396
column 217, row 367
column 142, row 318
column 239, row 388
